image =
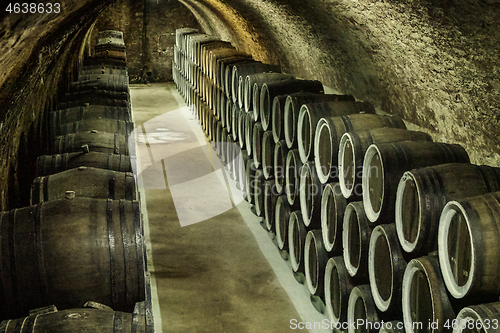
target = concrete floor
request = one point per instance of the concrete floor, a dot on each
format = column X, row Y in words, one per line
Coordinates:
column 222, row 274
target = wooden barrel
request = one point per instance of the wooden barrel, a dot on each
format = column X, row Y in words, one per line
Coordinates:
column 292, row 177
column 100, row 84
column 385, row 163
column 338, row 287
column 242, row 171
column 92, row 94
column 270, row 90
column 96, row 142
column 483, row 318
column 270, row 198
column 85, row 182
column 282, row 219
column 356, row 232
column 386, row 266
column 468, row 239
column 93, row 101
column 329, row 131
column 242, row 120
column 352, row 149
column 235, row 114
column 223, row 146
column 249, row 125
column 66, row 252
column 257, row 135
column 218, row 138
column 51, row 164
column 251, row 174
column 215, row 56
column 424, row 299
column 235, row 160
column 315, row 259
column 221, row 65
column 277, row 118
column 111, row 51
column 205, row 50
column 297, row 233
column 181, row 35
column 362, row 311
column 310, row 191
column 102, row 125
column 229, row 154
column 240, row 72
column 106, row 70
column 64, row 116
column 226, row 71
column 333, row 205
column 81, row 320
column 422, row 194
column 253, row 84
column 268, row 154
column 257, row 190
column 105, row 78
column 280, row 155
column 106, row 61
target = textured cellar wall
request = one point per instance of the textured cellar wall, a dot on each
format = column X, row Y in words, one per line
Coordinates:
column 434, row 63
column 149, row 33
column 38, row 56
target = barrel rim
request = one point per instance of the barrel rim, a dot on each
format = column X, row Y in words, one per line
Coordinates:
column 304, row 156
column 381, row 304
column 343, row 141
column 325, row 227
column 310, row 237
column 323, row 122
column 406, row 244
column 294, row 261
column 370, row 212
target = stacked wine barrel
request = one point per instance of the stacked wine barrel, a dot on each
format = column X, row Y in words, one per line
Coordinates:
column 377, row 220
column 81, row 240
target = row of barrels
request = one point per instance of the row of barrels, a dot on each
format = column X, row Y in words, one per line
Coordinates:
column 377, row 220
column 80, row 247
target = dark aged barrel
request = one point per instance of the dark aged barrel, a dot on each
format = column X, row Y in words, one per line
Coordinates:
column 256, row 151
column 483, row 318
column 338, row 287
column 282, row 219
column 226, row 72
column 297, row 233
column 222, row 63
column 468, row 238
column 253, row 84
column 64, row 116
column 352, row 149
column 270, row 198
column 272, row 89
column 249, row 125
column 85, row 182
column 292, row 176
column 50, row 164
column 90, row 61
column 80, row 320
column 356, row 234
column 362, row 311
column 95, row 101
column 227, row 114
column 66, row 252
column 386, row 267
column 110, row 51
column 268, row 154
column 106, row 70
column 315, row 258
column 240, row 72
column 92, row 94
column 102, row 125
column 333, row 205
column 257, row 188
column 242, row 120
column 329, row 131
column 110, row 83
column 235, row 113
column 310, row 196
column 251, row 174
column 424, row 297
column 280, row 154
column 422, row 194
column 384, row 164
column 96, row 141
column 277, row 117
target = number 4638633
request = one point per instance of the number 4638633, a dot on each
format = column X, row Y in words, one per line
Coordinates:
column 33, row 8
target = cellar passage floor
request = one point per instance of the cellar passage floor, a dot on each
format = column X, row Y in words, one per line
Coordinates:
column 222, row 274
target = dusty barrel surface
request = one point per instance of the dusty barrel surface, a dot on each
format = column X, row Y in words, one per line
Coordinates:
column 352, row 149
column 292, row 176
column 386, row 266
column 310, row 191
column 329, row 131
column 96, row 141
column 424, row 296
column 338, row 287
column 280, row 155
column 297, row 233
column 315, row 259
column 85, row 182
column 385, row 163
column 257, row 136
column 258, row 79
column 479, row 318
column 422, row 194
column 40, row 267
column 361, row 307
column 282, row 219
column 333, row 205
column 50, row 164
column 270, row 90
column 468, row 238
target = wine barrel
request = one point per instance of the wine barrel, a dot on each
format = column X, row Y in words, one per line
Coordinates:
column 106, row 61
column 422, row 194
column 224, row 146
column 329, row 131
column 229, row 154
column 181, row 37
column 205, row 50
column 315, row 259
column 356, row 232
column 257, row 190
column 310, row 191
column 90, row 100
column 215, row 56
column 111, row 84
column 280, row 155
column 96, row 141
column 240, row 72
column 102, row 125
column 483, row 318
column 235, row 164
column 242, row 119
column 218, row 138
column 235, row 114
column 249, row 125
column 65, row 252
column 270, row 90
column 85, row 182
column 242, row 171
column 111, row 51
column 352, row 149
column 338, row 287
column 226, row 118
column 424, row 299
column 253, row 85
column 257, row 135
column 361, row 310
column 101, row 67
column 282, row 219
column 91, row 95
column 386, row 266
column 270, row 198
column 268, row 154
column 106, row 70
column 51, row 164
column 468, row 238
column 277, row 117
column 81, row 320
column 104, row 78
column 64, row 116
column 297, row 233
column 333, row 205
column 226, row 71
column 292, row 176
column 251, row 175
column 385, row 163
